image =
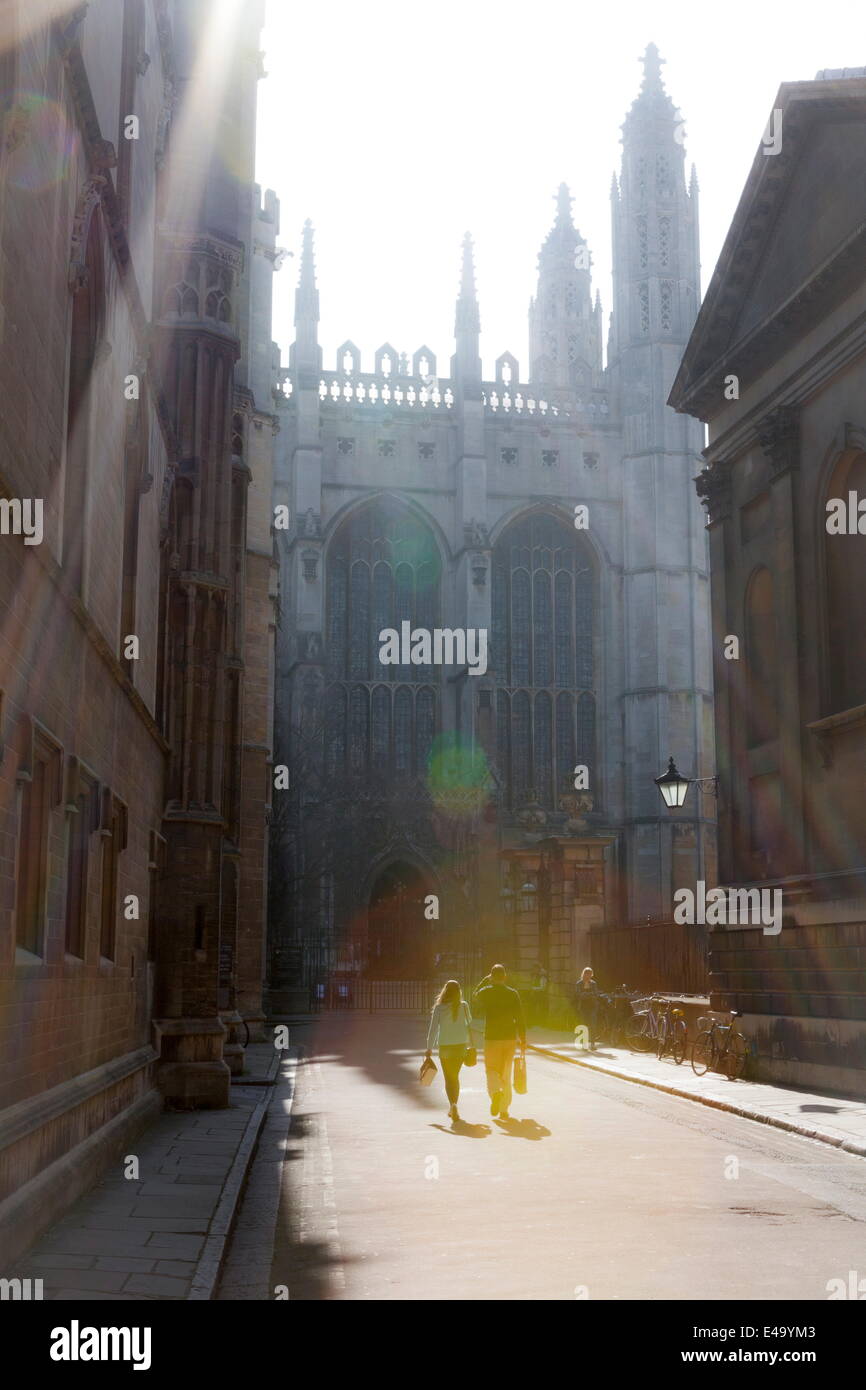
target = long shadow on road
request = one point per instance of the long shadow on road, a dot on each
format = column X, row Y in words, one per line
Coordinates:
column 387, row 1048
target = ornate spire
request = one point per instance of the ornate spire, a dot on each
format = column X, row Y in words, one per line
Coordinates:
column 306, row 295
column 305, row 351
column 652, row 99
column 468, row 318
column 563, row 243
column 652, row 69
column 564, row 201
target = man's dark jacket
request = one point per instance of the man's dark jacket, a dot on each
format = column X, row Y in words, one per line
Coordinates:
column 502, row 1011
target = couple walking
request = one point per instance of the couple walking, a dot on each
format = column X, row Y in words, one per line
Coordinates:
column 451, row 1025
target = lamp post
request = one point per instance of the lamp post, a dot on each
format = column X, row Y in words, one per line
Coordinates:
column 674, row 786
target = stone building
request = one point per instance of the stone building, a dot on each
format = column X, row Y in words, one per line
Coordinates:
column 777, row 366
column 135, row 703
column 434, row 811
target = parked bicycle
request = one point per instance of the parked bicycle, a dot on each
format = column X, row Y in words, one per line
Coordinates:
column 613, row 1015
column 719, row 1047
column 672, row 1033
column 642, row 1030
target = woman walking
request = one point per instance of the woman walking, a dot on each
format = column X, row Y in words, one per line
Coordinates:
column 450, row 1024
column 587, row 1002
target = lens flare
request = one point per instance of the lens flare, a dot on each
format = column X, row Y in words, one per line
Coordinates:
column 458, row 776
column 40, row 140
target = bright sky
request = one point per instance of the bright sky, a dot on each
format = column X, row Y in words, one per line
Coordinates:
column 397, row 127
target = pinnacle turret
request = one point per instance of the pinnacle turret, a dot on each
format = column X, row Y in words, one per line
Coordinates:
column 468, row 317
column 305, row 350
column 306, row 295
column 467, row 321
column 652, row 69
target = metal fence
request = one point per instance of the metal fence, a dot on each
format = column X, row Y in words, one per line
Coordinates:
column 376, row 996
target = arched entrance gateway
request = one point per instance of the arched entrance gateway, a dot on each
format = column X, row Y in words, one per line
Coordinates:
column 400, row 940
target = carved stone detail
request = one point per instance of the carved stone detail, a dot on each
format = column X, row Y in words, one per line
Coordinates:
column 89, row 197
column 713, row 485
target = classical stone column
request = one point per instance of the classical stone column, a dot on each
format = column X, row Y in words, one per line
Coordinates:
column 714, row 489
column 780, row 440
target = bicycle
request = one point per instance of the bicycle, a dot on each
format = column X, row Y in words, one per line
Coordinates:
column 642, row 1031
column 719, row 1048
column 604, row 1025
column 672, row 1033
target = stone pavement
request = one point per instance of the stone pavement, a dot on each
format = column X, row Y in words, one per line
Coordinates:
column 831, row 1119
column 162, row 1235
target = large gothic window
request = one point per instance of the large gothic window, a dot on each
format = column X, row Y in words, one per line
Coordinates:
column 383, row 569
column 542, row 658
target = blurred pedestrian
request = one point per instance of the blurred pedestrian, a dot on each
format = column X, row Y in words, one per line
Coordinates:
column 504, row 1026
column 450, row 1027
column 587, row 1002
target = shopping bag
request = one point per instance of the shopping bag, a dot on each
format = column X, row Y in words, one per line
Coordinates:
column 428, row 1071
column 520, row 1074
column 471, row 1057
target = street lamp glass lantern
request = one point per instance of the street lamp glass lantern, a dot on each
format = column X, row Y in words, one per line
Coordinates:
column 673, row 786
column 528, row 891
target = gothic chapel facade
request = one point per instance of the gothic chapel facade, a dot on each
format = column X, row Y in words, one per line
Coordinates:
column 418, row 491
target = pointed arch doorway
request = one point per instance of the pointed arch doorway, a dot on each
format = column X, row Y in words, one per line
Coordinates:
column 400, row 940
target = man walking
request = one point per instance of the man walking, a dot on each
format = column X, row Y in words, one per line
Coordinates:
column 504, row 1025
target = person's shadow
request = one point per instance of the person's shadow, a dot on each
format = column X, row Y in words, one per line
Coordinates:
column 523, row 1129
column 468, row 1131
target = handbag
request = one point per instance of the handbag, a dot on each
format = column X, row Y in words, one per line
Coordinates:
column 427, row 1072
column 520, row 1074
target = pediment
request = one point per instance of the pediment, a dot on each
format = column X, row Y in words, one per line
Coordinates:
column 822, row 207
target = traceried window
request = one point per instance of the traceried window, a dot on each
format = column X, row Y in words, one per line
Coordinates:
column 542, row 659
column 383, row 569
column 643, row 249
column 640, row 179
column 666, row 302
column 664, row 179
column 664, row 241
column 643, row 301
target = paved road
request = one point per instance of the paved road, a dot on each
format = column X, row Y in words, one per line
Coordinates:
column 598, row 1188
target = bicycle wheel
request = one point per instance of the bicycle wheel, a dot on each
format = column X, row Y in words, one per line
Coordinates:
column 703, row 1053
column 678, row 1041
column 663, row 1038
column 735, row 1057
column 636, row 1033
